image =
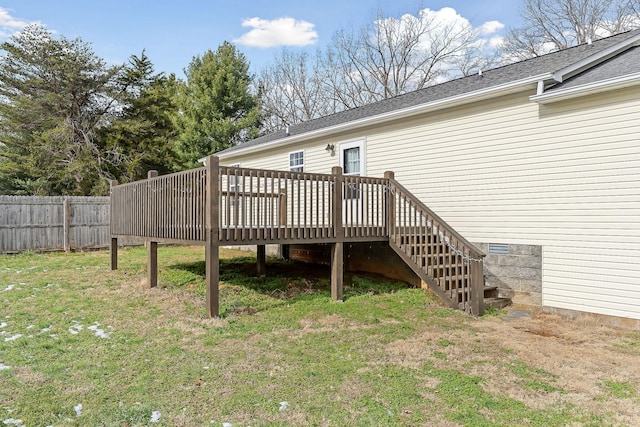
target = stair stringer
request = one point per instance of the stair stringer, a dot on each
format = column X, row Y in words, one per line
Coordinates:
column 431, row 282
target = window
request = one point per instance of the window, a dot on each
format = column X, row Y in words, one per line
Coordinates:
column 296, row 161
column 235, row 186
column 352, row 157
column 232, row 179
column 352, row 161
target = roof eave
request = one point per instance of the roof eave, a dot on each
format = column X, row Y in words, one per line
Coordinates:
column 477, row 95
column 587, row 89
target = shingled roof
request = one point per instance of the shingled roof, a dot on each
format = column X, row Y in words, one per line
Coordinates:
column 519, row 71
column 625, row 64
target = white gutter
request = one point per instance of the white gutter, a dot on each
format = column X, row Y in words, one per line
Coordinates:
column 586, row 89
column 392, row 115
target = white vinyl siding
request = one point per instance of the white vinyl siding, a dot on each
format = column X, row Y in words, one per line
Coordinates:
column 565, row 176
column 316, row 159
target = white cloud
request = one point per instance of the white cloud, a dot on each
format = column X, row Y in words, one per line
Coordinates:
column 8, row 21
column 445, row 16
column 495, row 42
column 490, row 27
column 10, row 25
column 277, row 32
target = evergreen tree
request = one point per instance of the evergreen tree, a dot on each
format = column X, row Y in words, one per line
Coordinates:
column 216, row 108
column 54, row 95
column 143, row 135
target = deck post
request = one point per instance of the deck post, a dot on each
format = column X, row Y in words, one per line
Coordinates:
column 212, row 246
column 152, row 247
column 261, row 260
column 152, row 263
column 337, row 248
column 390, row 207
column 113, row 253
column 113, row 247
column 477, row 285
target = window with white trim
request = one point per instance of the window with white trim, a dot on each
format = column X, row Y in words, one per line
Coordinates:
column 235, row 186
column 232, row 178
column 296, row 161
column 352, row 157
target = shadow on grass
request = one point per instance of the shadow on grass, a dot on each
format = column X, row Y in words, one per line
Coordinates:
column 285, row 281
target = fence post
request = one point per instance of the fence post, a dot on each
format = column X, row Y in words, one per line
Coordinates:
column 66, row 224
column 212, row 254
column 337, row 248
column 390, row 205
column 152, row 247
column 113, row 247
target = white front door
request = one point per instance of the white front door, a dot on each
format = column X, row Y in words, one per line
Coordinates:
column 352, row 160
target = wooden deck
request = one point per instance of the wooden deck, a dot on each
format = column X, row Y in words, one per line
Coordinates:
column 220, row 206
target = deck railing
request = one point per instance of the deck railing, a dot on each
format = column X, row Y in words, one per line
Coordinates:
column 254, row 205
column 166, row 208
column 221, row 205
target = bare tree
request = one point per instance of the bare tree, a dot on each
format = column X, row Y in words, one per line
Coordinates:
column 552, row 25
column 629, row 12
column 386, row 58
column 392, row 56
column 634, row 7
column 292, row 90
column 475, row 58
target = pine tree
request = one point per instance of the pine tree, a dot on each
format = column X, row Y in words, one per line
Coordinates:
column 216, row 108
column 144, row 134
column 54, row 95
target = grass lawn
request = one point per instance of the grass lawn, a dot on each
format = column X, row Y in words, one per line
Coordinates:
column 82, row 345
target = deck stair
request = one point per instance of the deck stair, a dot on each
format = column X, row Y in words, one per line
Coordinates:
column 442, row 275
column 446, row 262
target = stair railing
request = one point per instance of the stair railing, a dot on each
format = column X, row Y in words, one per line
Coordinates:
column 449, row 264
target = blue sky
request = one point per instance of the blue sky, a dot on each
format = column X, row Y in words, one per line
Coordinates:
column 173, row 32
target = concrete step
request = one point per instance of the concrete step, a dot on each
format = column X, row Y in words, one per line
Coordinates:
column 496, row 302
column 491, row 292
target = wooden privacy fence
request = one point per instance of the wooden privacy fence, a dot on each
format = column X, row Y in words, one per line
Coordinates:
column 53, row 223
column 221, row 205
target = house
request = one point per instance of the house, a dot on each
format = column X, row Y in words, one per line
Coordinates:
column 537, row 163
